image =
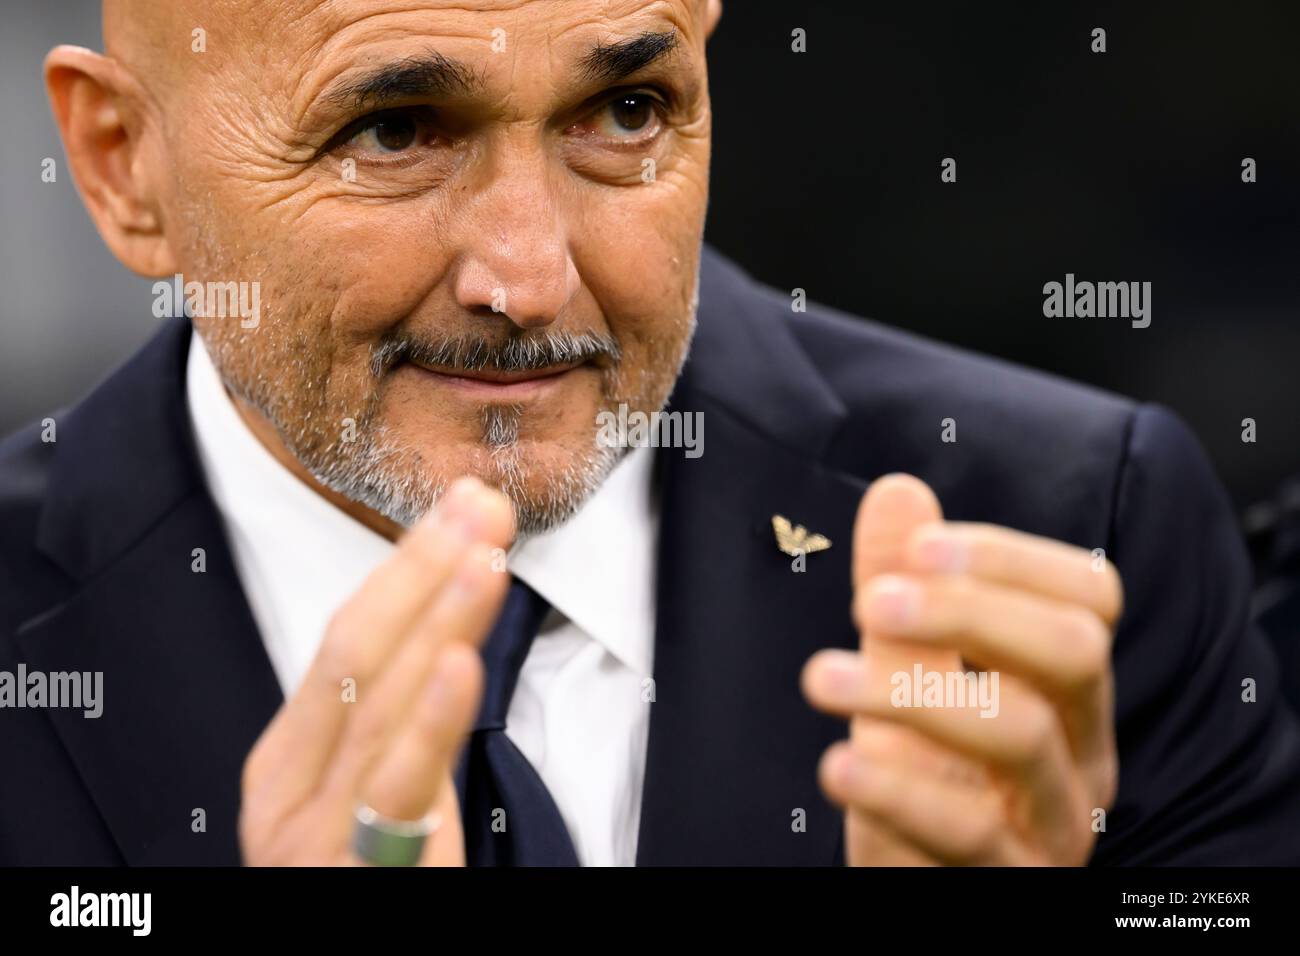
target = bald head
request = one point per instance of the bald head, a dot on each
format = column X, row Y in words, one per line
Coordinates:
column 156, row 39
column 153, row 39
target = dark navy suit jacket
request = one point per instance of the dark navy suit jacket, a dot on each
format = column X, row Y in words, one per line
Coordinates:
column 801, row 411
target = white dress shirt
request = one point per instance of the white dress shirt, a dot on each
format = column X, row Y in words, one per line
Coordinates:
column 579, row 713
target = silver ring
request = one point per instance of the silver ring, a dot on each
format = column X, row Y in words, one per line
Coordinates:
column 385, row 841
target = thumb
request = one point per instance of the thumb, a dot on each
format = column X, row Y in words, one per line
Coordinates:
column 892, row 509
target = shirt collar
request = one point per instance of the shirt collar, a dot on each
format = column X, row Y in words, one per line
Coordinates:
column 597, row 569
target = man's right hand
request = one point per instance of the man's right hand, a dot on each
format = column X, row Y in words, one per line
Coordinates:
column 385, row 707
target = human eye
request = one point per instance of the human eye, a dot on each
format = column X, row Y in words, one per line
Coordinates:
column 389, row 137
column 626, row 117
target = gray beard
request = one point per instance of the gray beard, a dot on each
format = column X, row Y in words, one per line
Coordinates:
column 393, row 479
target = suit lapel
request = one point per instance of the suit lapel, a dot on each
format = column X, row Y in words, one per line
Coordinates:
column 156, row 606
column 733, row 747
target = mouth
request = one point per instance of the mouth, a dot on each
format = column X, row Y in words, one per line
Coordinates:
column 501, row 385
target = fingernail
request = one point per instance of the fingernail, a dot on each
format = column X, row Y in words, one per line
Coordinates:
column 894, row 602
column 937, row 550
column 460, row 494
column 469, row 577
column 842, row 674
column 847, row 770
column 457, row 507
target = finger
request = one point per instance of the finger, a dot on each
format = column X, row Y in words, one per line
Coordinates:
column 1015, row 559
column 1014, row 728
column 869, row 841
column 461, row 615
column 991, row 723
column 1063, row 648
column 447, row 846
column 944, row 820
column 410, row 776
column 292, row 754
column 912, row 752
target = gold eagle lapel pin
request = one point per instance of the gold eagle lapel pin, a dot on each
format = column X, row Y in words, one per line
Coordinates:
column 796, row 540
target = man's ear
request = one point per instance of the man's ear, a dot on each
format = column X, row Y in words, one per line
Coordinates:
column 99, row 109
column 712, row 14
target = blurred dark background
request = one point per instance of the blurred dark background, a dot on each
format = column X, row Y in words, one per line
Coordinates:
column 1122, row 166
column 1117, row 166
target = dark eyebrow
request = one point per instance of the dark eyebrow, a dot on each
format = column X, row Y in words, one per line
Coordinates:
column 428, row 75
column 609, row 63
column 433, row 75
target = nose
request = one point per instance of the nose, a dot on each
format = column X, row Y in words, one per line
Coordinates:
column 515, row 251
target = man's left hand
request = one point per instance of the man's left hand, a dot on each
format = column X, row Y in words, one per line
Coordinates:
column 1023, row 778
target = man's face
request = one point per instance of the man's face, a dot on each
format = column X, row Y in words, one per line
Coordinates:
column 474, row 228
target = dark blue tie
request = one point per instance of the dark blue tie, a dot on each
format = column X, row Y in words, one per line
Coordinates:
column 508, row 814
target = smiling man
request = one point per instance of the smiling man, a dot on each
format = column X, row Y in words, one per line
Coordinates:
column 365, row 583
column 447, row 225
